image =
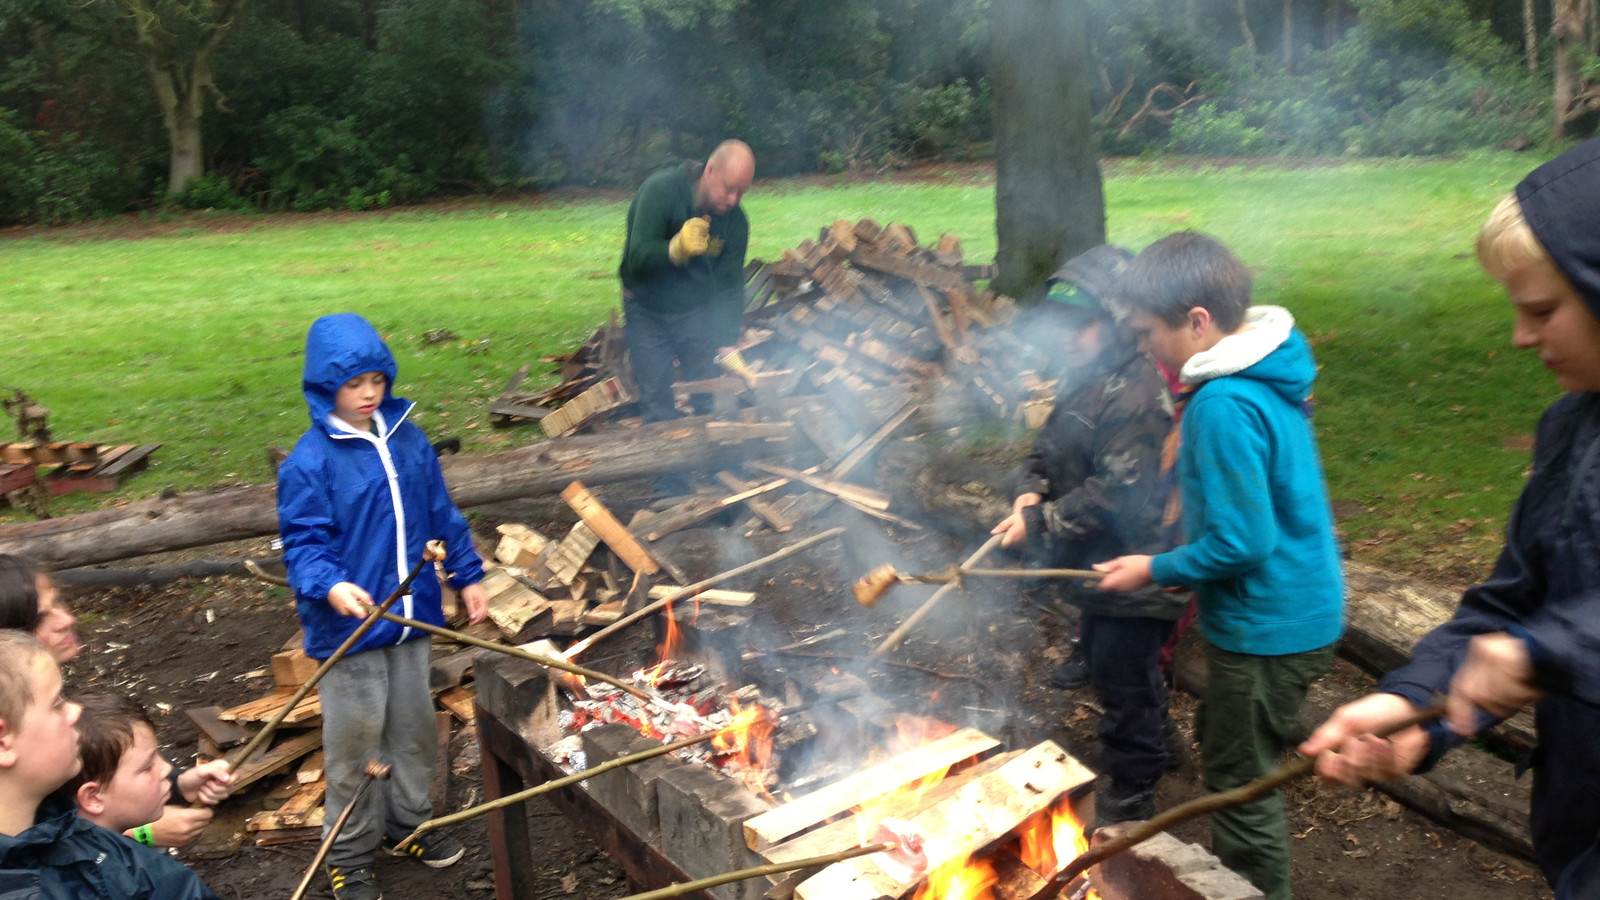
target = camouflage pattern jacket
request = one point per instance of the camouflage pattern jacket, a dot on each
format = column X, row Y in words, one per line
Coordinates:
column 1097, row 462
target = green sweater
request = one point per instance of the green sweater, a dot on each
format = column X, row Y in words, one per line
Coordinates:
column 664, row 202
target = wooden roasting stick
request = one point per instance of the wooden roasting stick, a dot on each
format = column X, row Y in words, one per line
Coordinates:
column 689, row 887
column 690, row 590
column 374, row 770
column 435, row 551
column 548, row 786
column 894, row 639
column 870, row 587
column 1210, row 803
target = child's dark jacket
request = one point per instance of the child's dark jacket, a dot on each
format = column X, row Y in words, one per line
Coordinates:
column 1097, row 462
column 65, row 857
column 1545, row 588
column 360, row 506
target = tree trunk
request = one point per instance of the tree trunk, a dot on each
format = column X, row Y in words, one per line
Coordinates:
column 177, row 53
column 1530, row 35
column 1566, row 29
column 199, row 518
column 1288, row 36
column 1049, row 204
column 1333, row 23
column 1249, row 37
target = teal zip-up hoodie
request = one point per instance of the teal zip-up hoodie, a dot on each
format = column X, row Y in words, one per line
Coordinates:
column 1260, row 549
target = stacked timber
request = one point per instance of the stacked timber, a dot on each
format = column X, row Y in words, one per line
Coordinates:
column 860, row 308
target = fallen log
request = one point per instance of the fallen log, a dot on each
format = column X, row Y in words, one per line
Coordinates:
column 199, row 518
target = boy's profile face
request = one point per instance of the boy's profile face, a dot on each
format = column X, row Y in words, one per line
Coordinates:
column 41, row 750
column 55, row 629
column 1168, row 345
column 1554, row 320
column 359, row 397
column 135, row 793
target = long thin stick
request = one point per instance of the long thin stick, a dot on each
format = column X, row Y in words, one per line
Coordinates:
column 690, row 590
column 1255, row 790
column 373, row 770
column 574, row 778
column 894, row 639
column 689, row 887
column 434, row 551
column 553, row 662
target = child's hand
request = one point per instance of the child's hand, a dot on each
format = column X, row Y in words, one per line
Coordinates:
column 1496, row 677
column 1125, row 573
column 1347, row 753
column 476, row 601
column 210, row 783
column 348, row 599
column 179, row 826
column 1013, row 528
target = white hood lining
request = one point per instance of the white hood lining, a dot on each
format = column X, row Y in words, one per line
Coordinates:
column 1265, row 329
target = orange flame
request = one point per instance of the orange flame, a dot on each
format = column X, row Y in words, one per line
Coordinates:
column 1052, row 839
column 961, row 879
column 666, row 651
column 749, row 743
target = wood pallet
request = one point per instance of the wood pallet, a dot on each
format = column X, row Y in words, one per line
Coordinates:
column 64, row 468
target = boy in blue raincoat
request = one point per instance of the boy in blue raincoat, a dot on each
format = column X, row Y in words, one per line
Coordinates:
column 1531, row 633
column 358, row 499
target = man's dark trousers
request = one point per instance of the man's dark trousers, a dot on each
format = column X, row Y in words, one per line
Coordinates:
column 1123, row 669
column 654, row 340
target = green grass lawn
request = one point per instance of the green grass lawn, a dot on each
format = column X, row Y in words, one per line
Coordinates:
column 190, row 335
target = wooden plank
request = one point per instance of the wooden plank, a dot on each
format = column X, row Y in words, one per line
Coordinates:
column 291, row 668
column 797, row 815
column 305, row 801
column 983, row 812
column 865, row 447
column 846, row 832
column 311, row 768
column 573, row 552
column 915, row 272
column 459, row 701
column 131, row 461
column 609, row 529
column 264, row 708
column 264, row 764
column 762, row 508
column 855, row 493
column 604, row 613
column 714, row 596
column 221, row 734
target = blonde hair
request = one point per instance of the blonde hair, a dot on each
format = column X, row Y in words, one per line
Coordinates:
column 1506, row 243
column 19, row 653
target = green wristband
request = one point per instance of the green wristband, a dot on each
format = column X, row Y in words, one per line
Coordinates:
column 142, row 835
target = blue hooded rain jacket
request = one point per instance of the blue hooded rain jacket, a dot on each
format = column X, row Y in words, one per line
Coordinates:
column 360, row 506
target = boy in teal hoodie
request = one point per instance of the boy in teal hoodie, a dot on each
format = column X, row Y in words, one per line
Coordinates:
column 1259, row 547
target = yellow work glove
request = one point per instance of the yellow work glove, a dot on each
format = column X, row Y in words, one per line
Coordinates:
column 690, row 241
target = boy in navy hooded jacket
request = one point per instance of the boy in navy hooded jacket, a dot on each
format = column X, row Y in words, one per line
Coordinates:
column 1258, row 547
column 1531, row 633
column 358, row 499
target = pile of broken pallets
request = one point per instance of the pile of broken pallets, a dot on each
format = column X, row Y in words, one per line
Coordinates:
column 63, row 467
column 861, row 307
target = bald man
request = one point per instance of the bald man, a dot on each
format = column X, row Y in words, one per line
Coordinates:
column 683, row 273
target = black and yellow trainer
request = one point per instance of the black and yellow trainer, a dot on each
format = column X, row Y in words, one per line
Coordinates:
column 435, row 849
column 354, row 883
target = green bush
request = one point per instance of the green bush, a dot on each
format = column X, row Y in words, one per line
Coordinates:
column 52, row 178
column 210, row 191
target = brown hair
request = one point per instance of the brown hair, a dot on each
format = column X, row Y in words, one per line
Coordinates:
column 1182, row 271
column 105, row 732
column 19, row 653
column 19, row 593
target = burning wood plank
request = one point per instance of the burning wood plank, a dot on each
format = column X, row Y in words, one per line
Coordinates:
column 797, row 815
column 716, row 596
column 982, row 813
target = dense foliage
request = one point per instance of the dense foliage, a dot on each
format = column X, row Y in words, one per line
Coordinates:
column 366, row 103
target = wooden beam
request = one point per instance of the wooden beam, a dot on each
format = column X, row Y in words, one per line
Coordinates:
column 609, row 529
column 797, row 815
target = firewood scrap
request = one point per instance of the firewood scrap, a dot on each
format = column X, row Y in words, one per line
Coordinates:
column 608, row 529
column 782, row 823
column 846, row 831
column 291, row 668
column 220, row 734
column 520, row 546
column 853, row 493
column 264, row 708
column 458, row 701
column 715, row 596
column 285, row 752
column 985, row 811
column 766, row 511
column 298, row 810
column 520, row 612
column 573, row 551
column 311, row 768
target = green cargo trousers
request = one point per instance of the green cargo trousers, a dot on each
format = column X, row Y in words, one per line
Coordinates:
column 1245, row 723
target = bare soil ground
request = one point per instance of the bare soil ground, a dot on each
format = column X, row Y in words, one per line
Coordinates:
column 984, row 660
